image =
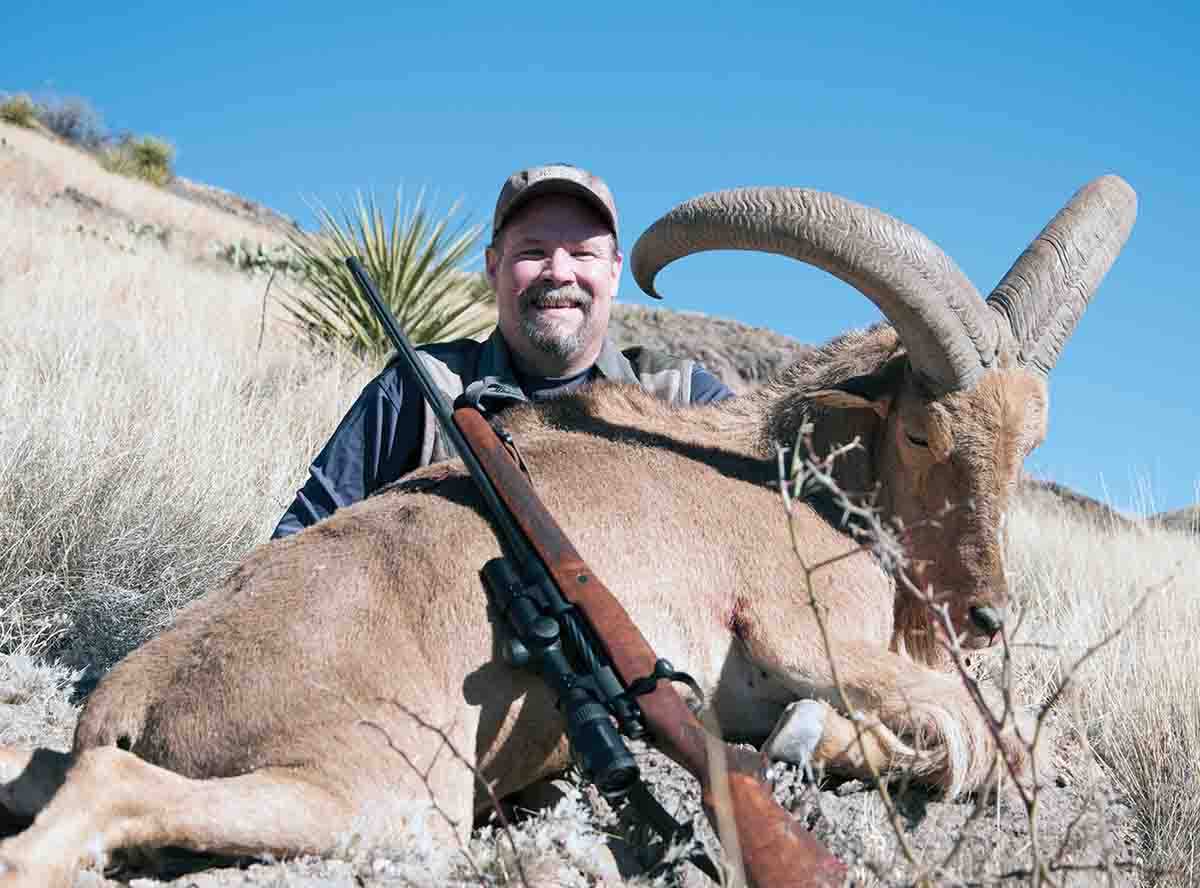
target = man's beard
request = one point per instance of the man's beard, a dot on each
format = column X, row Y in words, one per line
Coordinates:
column 549, row 334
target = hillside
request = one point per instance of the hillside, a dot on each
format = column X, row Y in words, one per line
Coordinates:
column 741, row 355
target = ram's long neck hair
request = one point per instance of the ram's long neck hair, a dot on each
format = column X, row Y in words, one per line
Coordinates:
column 867, row 362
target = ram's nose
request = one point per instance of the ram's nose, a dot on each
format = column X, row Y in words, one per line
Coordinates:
column 986, row 619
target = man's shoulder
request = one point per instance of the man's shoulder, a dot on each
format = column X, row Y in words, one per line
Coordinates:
column 455, row 354
column 451, row 365
column 454, row 350
column 655, row 368
column 651, row 360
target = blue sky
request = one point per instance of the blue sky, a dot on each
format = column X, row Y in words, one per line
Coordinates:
column 975, row 127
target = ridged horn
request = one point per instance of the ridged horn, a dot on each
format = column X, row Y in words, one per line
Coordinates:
column 950, row 335
column 1046, row 291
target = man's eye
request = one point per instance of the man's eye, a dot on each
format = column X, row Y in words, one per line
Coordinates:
column 584, row 254
column 531, row 254
column 916, row 441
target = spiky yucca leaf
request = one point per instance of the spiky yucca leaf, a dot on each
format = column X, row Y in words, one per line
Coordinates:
column 417, row 264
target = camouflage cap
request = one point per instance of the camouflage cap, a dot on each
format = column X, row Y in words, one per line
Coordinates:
column 553, row 178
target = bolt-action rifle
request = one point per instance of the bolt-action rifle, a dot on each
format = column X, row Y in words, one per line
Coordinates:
column 571, row 628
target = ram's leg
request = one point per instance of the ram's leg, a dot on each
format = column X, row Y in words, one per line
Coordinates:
column 28, row 780
column 112, row 799
column 921, row 722
column 813, row 734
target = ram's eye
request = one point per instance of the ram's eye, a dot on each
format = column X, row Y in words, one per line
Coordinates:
column 915, row 441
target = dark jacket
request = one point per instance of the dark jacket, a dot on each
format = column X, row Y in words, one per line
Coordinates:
column 390, row 430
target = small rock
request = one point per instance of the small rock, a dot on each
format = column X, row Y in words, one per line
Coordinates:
column 850, row 787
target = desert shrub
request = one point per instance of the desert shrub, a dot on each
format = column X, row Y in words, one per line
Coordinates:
column 140, row 157
column 416, row 262
column 19, row 110
column 74, row 120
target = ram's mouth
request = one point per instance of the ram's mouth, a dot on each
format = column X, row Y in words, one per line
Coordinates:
column 980, row 642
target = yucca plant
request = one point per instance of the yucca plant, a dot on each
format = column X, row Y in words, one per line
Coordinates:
column 417, row 262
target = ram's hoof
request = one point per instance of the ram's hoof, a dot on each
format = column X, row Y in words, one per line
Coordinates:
column 797, row 733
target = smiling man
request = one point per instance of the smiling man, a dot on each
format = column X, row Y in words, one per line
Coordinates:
column 554, row 263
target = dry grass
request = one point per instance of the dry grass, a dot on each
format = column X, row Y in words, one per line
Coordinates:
column 35, row 699
column 145, row 442
column 1137, row 701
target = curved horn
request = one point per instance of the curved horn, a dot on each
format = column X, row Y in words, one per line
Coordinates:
column 1046, row 291
column 940, row 317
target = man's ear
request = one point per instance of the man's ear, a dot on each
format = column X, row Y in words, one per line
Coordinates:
column 491, row 262
column 844, row 400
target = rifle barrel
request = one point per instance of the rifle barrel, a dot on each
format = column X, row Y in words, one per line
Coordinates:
column 510, row 535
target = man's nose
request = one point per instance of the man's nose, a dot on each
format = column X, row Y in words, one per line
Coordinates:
column 560, row 267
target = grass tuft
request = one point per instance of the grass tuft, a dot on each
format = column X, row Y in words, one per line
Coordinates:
column 1136, row 703
column 140, row 157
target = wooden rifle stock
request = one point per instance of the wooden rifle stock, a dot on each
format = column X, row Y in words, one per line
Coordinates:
column 776, row 850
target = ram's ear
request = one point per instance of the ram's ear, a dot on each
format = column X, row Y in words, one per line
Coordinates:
column 874, row 391
column 836, row 398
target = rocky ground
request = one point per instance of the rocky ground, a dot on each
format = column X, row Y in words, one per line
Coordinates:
column 575, row 838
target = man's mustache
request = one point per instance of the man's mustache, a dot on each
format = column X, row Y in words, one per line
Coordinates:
column 541, row 294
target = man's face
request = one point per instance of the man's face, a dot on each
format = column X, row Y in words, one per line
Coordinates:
column 555, row 272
